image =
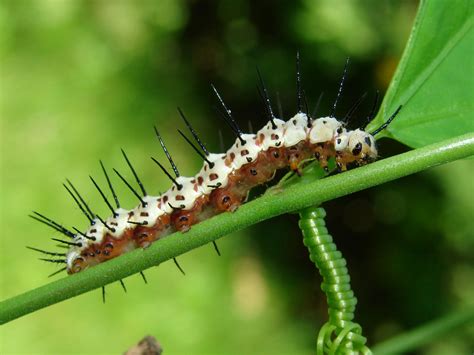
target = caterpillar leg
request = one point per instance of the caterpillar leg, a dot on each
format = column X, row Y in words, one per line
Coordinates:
column 340, row 335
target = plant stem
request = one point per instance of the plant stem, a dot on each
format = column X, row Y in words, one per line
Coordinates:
column 293, row 198
column 424, row 334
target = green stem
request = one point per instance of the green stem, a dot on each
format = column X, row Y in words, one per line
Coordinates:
column 340, row 334
column 426, row 333
column 293, row 198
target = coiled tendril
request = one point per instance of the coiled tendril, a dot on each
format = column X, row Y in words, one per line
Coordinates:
column 340, row 335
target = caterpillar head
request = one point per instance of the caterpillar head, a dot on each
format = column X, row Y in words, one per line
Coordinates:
column 361, row 145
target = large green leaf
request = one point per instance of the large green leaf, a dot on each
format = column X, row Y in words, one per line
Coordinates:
column 435, row 78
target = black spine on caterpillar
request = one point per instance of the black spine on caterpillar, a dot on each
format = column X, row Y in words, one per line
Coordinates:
column 336, row 285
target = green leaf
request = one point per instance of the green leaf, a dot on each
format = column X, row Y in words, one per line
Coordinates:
column 435, row 78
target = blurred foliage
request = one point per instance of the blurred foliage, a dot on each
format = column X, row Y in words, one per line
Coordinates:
column 80, row 79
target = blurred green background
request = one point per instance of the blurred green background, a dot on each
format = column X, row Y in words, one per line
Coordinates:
column 80, row 79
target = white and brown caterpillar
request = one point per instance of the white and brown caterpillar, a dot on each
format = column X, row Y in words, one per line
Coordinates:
column 221, row 185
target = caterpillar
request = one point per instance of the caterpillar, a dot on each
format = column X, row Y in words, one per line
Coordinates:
column 222, row 184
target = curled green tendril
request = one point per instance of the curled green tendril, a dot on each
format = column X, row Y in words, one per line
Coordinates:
column 340, row 335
